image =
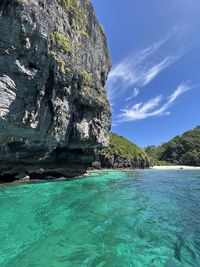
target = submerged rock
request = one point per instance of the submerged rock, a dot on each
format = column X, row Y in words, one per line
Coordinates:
column 54, row 63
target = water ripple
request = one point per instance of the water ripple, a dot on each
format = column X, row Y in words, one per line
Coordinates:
column 119, row 219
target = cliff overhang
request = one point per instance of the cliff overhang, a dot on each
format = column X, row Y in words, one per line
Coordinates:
column 54, row 62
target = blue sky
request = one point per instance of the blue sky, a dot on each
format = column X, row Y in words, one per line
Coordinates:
column 154, row 85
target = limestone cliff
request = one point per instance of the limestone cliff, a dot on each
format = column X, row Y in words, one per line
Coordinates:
column 54, row 63
column 121, row 154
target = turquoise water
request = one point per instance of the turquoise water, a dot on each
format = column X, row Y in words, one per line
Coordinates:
column 111, row 219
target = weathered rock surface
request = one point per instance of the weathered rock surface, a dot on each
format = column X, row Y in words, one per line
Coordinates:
column 107, row 161
column 120, row 154
column 54, row 63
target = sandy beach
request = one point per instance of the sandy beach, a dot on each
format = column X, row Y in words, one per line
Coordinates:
column 176, row 167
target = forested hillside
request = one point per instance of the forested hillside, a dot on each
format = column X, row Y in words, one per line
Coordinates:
column 182, row 150
column 121, row 154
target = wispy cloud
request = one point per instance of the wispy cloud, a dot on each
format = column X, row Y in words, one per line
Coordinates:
column 150, row 74
column 153, row 107
column 139, row 69
column 135, row 93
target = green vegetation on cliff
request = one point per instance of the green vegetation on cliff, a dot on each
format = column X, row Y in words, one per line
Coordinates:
column 77, row 15
column 87, row 78
column 121, row 154
column 123, row 147
column 63, row 43
column 182, row 150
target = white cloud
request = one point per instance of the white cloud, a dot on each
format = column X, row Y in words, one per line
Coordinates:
column 156, row 69
column 180, row 90
column 139, row 69
column 153, row 107
column 135, row 93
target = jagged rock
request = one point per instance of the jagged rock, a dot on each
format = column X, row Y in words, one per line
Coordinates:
column 112, row 161
column 54, row 63
column 22, row 177
column 121, row 154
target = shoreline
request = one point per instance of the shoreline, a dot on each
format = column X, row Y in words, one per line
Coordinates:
column 91, row 171
column 175, row 167
column 165, row 167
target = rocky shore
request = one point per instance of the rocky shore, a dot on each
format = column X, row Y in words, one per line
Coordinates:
column 103, row 161
column 120, row 154
column 54, row 62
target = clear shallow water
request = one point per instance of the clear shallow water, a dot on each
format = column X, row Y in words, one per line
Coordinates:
column 115, row 219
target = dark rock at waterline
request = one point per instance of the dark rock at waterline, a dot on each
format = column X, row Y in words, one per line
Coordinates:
column 112, row 161
column 60, row 163
column 54, row 63
column 120, row 154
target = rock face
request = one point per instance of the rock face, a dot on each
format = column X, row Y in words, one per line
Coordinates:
column 54, row 63
column 103, row 161
column 120, row 154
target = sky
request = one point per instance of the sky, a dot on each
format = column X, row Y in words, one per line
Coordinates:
column 154, row 84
